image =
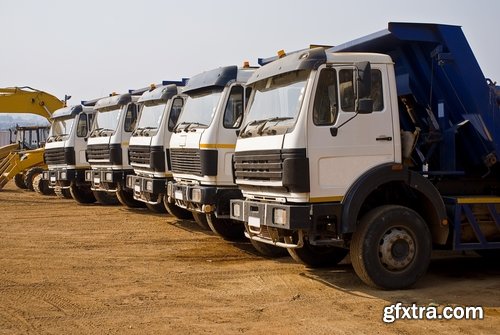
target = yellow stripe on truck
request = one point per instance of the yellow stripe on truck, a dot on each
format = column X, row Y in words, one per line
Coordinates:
column 327, row 199
column 217, row 146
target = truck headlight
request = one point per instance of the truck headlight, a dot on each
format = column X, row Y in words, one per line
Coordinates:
column 236, row 210
column 170, row 189
column 196, row 195
column 88, row 175
column 280, row 216
column 64, row 175
column 149, row 186
column 108, row 176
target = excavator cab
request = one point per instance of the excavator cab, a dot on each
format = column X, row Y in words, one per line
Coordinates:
column 29, row 137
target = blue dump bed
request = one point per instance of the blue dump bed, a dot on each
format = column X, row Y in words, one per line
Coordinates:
column 452, row 103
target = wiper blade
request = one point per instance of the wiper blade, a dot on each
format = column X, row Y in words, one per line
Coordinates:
column 188, row 126
column 261, row 129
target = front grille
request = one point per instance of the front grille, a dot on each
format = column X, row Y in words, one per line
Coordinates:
column 186, row 161
column 98, row 152
column 55, row 156
column 263, row 165
column 139, row 155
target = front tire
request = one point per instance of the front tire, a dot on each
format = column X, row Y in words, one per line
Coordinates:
column 226, row 228
column 126, row 198
column 82, row 193
column 41, row 186
column 106, row 198
column 201, row 220
column 269, row 250
column 177, row 212
column 391, row 248
column 29, row 175
column 318, row 256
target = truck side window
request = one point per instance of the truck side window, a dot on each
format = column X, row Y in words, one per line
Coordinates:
column 82, row 128
column 175, row 111
column 325, row 107
column 234, row 108
column 377, row 93
column 130, row 118
column 346, row 86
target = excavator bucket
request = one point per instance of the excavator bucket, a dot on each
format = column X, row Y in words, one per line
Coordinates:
column 17, row 162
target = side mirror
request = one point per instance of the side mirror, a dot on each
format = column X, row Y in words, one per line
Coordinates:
column 364, row 104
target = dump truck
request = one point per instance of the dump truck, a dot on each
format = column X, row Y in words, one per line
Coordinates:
column 149, row 146
column 107, row 148
column 65, row 153
column 385, row 147
column 18, row 162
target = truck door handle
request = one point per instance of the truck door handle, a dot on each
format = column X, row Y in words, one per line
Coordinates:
column 384, row 138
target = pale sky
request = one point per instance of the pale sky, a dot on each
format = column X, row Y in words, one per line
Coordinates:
column 88, row 49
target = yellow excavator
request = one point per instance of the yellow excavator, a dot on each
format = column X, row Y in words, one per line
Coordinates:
column 16, row 161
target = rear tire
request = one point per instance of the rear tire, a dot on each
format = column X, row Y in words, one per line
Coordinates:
column 201, row 220
column 318, row 256
column 82, row 193
column 177, row 212
column 63, row 193
column 226, row 228
column 391, row 247
column 126, row 198
column 269, row 250
column 19, row 181
column 42, row 186
column 29, row 175
column 106, row 198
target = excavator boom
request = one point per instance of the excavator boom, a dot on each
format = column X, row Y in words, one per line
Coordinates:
column 28, row 100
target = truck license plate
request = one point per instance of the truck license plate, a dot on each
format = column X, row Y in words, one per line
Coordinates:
column 178, row 195
column 254, row 222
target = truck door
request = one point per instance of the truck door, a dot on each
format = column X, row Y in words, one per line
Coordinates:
column 363, row 142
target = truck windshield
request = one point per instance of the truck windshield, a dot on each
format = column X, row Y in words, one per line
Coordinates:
column 149, row 120
column 60, row 129
column 199, row 109
column 275, row 104
column 105, row 123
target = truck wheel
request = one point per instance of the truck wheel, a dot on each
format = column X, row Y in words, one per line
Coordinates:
column 157, row 208
column 391, row 248
column 177, row 212
column 126, row 198
column 82, row 193
column 42, row 186
column 29, row 175
column 226, row 228
column 19, row 181
column 106, row 198
column 201, row 220
column 269, row 250
column 63, row 193
column 318, row 256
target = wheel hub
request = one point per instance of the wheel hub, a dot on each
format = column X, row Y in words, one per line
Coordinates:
column 397, row 249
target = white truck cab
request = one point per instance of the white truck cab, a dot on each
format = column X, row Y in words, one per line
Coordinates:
column 65, row 152
column 202, row 147
column 149, row 145
column 107, row 150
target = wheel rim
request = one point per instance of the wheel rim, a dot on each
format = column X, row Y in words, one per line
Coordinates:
column 397, row 249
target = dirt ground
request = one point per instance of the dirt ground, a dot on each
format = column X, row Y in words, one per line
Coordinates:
column 72, row 269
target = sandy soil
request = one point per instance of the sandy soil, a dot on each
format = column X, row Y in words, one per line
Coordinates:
column 70, row 269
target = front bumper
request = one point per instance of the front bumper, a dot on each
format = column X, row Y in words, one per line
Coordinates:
column 146, row 189
column 63, row 177
column 285, row 225
column 203, row 199
column 284, row 216
column 106, row 180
